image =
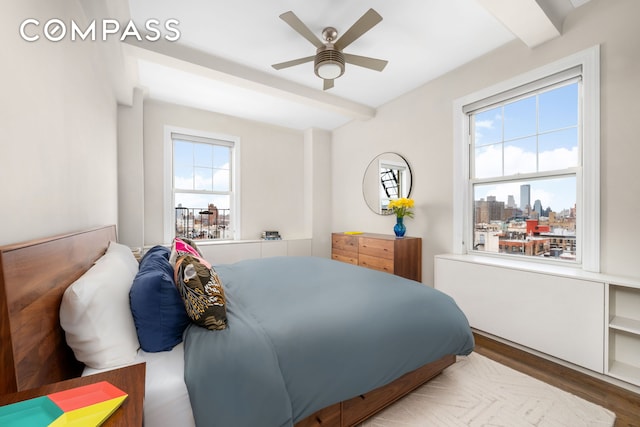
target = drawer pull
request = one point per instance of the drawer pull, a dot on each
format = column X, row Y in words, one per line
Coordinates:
column 363, row 397
column 318, row 420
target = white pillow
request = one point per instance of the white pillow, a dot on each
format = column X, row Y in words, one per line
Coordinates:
column 95, row 312
column 118, row 250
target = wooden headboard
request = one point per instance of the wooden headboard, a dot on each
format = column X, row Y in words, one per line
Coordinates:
column 33, row 278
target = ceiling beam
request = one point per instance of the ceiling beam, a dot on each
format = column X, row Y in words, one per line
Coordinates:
column 195, row 61
column 526, row 19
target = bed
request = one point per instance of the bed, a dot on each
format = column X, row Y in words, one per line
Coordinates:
column 313, row 390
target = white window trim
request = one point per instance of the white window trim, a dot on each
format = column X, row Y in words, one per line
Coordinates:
column 167, row 202
column 589, row 192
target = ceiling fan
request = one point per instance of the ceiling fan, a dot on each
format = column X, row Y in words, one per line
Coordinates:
column 329, row 60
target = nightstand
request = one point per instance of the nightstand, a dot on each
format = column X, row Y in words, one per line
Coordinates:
column 129, row 379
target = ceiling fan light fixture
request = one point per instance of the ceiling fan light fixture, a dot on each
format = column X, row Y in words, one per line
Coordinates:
column 329, row 70
column 329, row 63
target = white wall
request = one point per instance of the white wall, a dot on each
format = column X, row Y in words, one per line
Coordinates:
column 130, row 172
column 272, row 170
column 58, row 154
column 317, row 190
column 419, row 126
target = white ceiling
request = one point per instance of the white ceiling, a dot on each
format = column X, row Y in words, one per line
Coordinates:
column 222, row 61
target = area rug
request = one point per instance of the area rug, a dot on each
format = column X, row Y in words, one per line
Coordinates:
column 476, row 391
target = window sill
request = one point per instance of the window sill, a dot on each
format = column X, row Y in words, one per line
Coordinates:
column 572, row 271
column 240, row 242
column 225, row 242
column 230, row 242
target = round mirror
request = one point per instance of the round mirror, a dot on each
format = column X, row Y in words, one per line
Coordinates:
column 387, row 177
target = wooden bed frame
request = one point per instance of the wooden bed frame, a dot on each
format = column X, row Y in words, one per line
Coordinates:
column 354, row 411
column 33, row 277
column 33, row 351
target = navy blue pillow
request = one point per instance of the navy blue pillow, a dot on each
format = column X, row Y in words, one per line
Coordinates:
column 157, row 308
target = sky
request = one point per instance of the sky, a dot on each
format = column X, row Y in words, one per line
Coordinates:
column 200, row 166
column 529, row 135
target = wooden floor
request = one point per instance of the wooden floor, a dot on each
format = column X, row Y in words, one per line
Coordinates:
column 624, row 403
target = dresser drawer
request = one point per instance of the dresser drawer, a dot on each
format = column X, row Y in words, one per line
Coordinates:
column 345, row 243
column 348, row 257
column 376, row 263
column 376, row 247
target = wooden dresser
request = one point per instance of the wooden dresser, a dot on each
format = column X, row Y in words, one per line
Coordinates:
column 402, row 257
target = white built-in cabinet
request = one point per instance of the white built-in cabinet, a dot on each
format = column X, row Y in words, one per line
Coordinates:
column 233, row 251
column 587, row 319
column 623, row 340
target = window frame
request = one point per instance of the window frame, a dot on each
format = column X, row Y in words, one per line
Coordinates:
column 169, row 191
column 587, row 175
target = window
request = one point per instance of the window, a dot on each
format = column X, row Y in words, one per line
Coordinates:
column 524, row 163
column 203, row 195
column 393, row 182
column 527, row 166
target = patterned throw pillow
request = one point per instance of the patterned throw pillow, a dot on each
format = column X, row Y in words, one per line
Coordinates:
column 201, row 291
column 183, row 247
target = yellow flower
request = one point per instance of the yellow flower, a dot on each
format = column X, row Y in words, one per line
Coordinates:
column 401, row 207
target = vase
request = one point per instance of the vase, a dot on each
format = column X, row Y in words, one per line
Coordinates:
column 399, row 228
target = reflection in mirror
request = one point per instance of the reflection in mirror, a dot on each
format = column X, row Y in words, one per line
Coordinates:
column 387, row 177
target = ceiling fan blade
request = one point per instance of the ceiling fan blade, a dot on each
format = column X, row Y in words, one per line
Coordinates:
column 366, row 62
column 367, row 21
column 295, row 23
column 291, row 63
column 328, row 84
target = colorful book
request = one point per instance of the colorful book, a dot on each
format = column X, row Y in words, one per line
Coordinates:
column 85, row 406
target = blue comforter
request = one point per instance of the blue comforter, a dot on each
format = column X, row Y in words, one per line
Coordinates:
column 304, row 333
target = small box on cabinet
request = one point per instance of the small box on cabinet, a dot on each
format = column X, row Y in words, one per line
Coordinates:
column 271, row 235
